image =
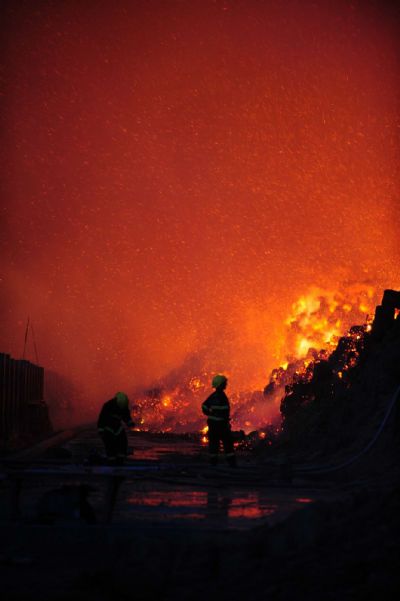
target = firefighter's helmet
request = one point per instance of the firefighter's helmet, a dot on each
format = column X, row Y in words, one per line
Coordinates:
column 218, row 381
column 122, row 400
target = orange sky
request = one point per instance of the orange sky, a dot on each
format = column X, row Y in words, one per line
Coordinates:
column 177, row 173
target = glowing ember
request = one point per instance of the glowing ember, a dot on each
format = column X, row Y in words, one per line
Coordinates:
column 204, row 438
column 166, row 401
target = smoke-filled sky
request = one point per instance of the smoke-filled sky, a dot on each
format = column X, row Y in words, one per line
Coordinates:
column 175, row 174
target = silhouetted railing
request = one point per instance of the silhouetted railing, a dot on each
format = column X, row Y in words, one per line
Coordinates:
column 22, row 409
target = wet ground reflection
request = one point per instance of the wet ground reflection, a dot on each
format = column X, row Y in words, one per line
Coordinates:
column 152, row 501
column 235, row 509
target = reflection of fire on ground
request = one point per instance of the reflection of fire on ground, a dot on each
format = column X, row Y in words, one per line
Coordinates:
column 311, row 332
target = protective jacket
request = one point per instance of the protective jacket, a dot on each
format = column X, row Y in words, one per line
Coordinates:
column 217, row 407
column 111, row 416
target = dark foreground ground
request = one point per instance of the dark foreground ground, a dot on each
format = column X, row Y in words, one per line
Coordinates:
column 169, row 527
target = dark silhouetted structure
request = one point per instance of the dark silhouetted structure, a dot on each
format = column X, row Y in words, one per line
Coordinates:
column 23, row 412
column 385, row 313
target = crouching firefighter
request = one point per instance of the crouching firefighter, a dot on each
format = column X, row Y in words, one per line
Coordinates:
column 217, row 409
column 111, row 429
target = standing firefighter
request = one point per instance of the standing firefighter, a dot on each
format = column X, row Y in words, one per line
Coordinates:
column 110, row 427
column 217, row 409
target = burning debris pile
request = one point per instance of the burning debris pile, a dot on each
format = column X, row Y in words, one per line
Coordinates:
column 317, row 321
column 320, row 378
column 173, row 404
column 319, row 326
column 314, row 329
column 337, row 401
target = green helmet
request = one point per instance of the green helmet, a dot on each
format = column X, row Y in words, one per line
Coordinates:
column 218, row 380
column 122, row 400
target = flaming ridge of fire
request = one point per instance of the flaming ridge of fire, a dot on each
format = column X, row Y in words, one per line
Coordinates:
column 320, row 318
column 302, row 370
column 318, row 321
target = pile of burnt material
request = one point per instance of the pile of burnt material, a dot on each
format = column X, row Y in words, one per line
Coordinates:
column 337, row 409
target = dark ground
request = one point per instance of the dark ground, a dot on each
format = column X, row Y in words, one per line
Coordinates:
column 344, row 544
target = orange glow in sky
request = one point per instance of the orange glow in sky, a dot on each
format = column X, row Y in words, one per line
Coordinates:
column 175, row 175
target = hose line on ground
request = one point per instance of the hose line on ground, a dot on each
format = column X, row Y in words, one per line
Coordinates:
column 332, row 468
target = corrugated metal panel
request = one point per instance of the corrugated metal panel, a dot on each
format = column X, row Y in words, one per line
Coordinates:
column 21, row 385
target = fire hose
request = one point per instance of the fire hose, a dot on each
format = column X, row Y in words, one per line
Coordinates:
column 331, row 468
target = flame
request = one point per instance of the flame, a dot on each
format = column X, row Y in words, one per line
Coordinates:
column 320, row 317
column 317, row 322
column 166, row 401
column 196, row 383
